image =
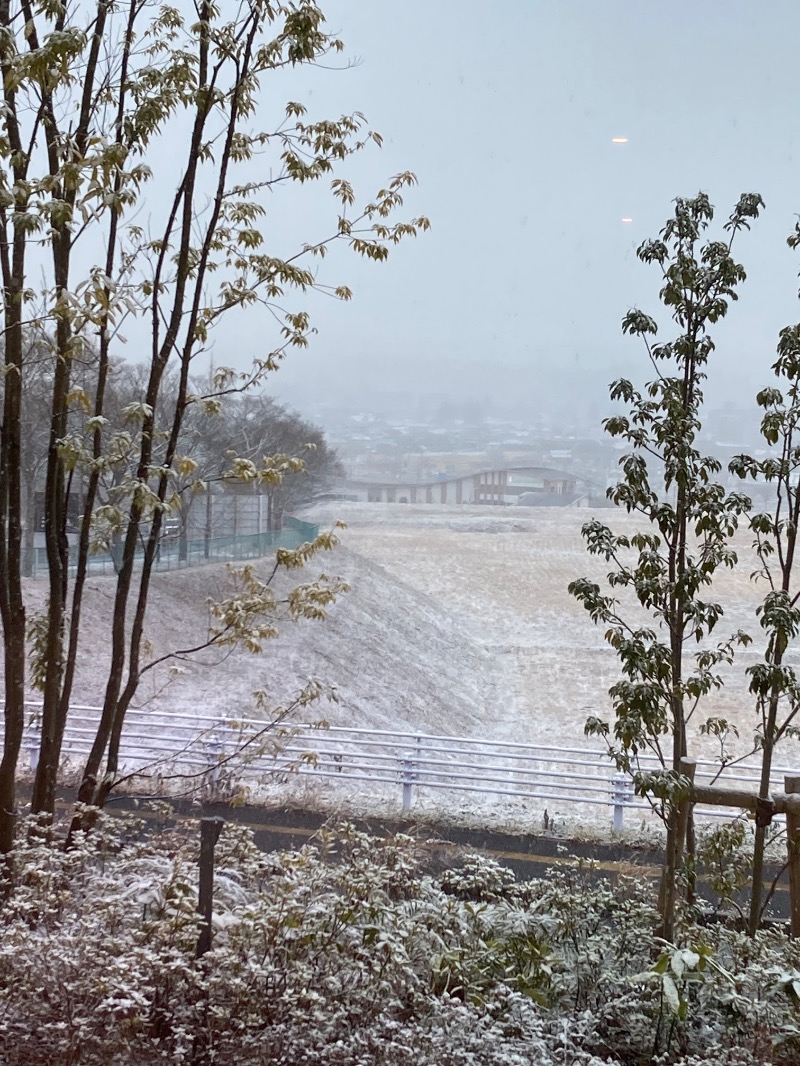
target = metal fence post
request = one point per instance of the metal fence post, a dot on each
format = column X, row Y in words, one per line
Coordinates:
column 215, row 750
column 408, row 783
column 621, row 794
column 410, row 765
column 33, row 751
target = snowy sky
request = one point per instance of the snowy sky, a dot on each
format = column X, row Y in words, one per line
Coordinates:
column 507, row 112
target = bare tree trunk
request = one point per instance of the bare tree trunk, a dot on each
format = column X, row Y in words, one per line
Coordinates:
column 12, row 607
column 64, row 628
column 55, row 698
column 29, row 530
column 182, row 217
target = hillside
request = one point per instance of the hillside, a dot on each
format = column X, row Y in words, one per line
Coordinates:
column 458, row 622
column 397, row 658
column 502, row 577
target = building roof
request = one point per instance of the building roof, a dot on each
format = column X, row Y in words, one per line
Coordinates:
column 545, row 472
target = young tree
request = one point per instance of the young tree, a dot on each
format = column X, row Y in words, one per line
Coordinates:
column 773, row 681
column 660, row 632
column 136, row 162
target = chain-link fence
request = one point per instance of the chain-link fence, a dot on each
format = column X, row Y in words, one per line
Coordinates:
column 177, row 551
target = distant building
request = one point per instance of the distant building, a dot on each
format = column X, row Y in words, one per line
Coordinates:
column 499, row 486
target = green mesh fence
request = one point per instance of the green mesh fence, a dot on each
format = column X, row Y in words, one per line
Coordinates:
column 175, row 553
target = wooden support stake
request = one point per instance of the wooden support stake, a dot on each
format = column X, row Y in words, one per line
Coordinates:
column 724, row 797
column 674, row 857
column 210, row 829
column 791, row 785
column 688, row 768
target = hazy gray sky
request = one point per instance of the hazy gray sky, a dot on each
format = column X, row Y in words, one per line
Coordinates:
column 506, row 112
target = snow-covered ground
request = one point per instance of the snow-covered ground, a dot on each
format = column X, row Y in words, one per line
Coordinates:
column 398, row 658
column 502, row 576
column 458, row 622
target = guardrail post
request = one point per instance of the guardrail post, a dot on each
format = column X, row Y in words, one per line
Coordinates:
column 408, row 777
column 410, row 764
column 32, row 745
column 621, row 794
column 215, row 750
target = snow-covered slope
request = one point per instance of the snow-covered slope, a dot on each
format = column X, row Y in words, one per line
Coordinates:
column 397, row 658
column 458, row 622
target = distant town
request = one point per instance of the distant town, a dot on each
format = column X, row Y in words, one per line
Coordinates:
column 459, row 455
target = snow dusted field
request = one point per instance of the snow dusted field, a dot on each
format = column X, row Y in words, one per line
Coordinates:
column 501, row 579
column 458, row 622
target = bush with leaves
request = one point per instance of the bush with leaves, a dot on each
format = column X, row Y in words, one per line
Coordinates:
column 350, row 951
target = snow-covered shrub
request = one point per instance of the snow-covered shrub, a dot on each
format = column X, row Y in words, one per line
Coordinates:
column 347, row 953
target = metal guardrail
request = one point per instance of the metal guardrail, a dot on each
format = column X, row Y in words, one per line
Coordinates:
column 174, row 554
column 231, row 750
